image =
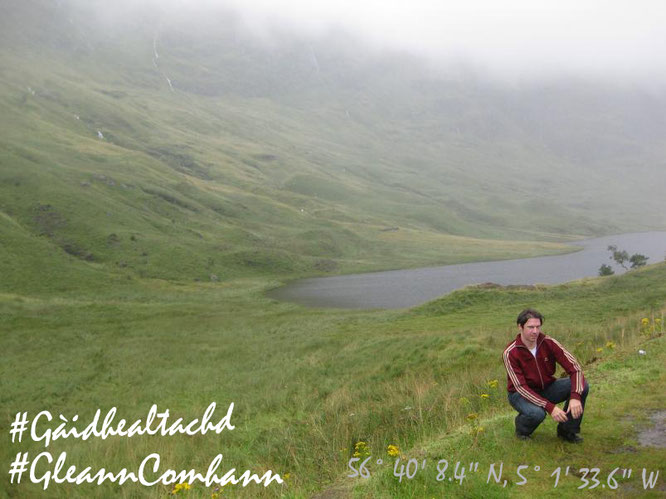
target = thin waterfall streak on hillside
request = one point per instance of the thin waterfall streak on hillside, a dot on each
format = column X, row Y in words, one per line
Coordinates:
column 157, row 56
column 169, row 82
column 315, row 62
column 155, row 46
column 314, row 59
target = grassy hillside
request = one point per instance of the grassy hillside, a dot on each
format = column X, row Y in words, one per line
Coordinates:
column 188, row 149
column 159, row 173
column 620, row 433
column 238, row 207
column 309, row 384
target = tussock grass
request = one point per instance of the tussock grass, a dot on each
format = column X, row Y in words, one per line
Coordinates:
column 309, row 384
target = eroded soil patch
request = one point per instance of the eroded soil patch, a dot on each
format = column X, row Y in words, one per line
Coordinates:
column 654, row 436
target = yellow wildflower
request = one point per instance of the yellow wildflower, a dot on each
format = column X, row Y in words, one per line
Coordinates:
column 645, row 321
column 610, row 345
column 287, row 476
column 493, row 383
column 180, row 486
column 361, row 449
column 485, row 396
column 599, row 350
column 393, row 450
column 475, row 431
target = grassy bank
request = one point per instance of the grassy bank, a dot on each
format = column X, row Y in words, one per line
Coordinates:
column 480, row 456
column 309, row 384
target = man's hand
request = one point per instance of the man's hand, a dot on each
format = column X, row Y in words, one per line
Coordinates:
column 559, row 415
column 575, row 408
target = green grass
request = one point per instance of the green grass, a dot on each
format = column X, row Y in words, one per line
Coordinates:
column 255, row 167
column 625, row 392
column 133, row 269
column 231, row 207
column 308, row 384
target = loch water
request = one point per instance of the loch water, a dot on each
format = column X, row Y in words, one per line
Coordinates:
column 406, row 288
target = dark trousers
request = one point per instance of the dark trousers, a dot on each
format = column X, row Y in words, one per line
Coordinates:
column 530, row 416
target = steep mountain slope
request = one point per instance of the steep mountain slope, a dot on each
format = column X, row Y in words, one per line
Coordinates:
column 182, row 146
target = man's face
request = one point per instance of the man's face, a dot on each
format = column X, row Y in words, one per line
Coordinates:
column 530, row 331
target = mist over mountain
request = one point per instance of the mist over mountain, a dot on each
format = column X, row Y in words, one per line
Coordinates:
column 241, row 152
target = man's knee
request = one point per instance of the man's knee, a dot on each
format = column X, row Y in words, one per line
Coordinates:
column 535, row 414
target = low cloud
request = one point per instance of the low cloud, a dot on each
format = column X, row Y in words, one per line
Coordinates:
column 516, row 39
column 620, row 39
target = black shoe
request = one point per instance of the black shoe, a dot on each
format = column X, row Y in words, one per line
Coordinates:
column 522, row 436
column 570, row 437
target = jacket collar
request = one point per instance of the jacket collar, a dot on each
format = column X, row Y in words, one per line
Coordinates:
column 519, row 340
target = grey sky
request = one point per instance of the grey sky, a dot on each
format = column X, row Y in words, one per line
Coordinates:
column 520, row 37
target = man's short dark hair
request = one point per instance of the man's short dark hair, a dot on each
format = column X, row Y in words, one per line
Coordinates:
column 527, row 314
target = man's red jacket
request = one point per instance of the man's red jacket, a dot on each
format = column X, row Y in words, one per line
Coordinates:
column 528, row 375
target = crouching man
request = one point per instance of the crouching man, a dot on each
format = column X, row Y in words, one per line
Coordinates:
column 533, row 391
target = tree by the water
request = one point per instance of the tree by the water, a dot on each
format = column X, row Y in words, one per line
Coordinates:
column 621, row 257
column 606, row 270
column 638, row 260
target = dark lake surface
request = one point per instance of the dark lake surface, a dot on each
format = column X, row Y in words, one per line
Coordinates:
column 406, row 288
